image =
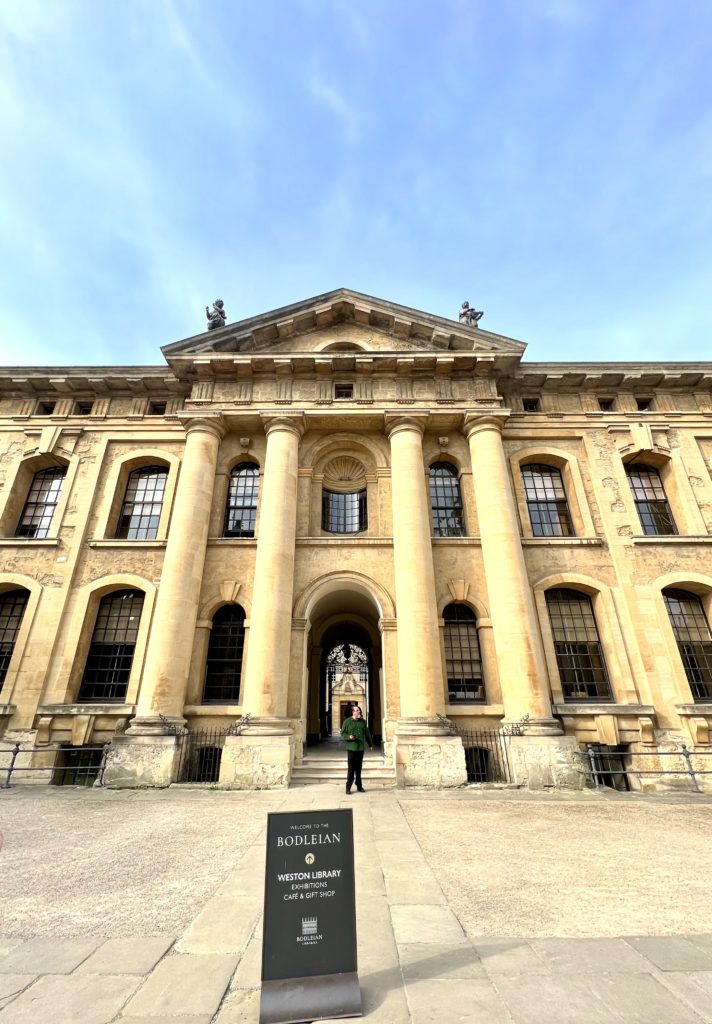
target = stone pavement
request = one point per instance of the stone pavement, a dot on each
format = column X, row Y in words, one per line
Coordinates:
column 416, row 960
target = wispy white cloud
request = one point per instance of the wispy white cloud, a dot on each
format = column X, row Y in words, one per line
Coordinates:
column 334, row 100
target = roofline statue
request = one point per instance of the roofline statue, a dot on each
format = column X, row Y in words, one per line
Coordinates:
column 470, row 316
column 216, row 316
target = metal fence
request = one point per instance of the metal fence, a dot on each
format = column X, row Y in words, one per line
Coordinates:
column 74, row 766
column 199, row 755
column 611, row 768
column 487, row 753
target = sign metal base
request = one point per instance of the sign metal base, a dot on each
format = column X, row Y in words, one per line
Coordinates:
column 321, row 997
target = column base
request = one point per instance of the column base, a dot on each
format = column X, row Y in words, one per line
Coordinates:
column 260, row 756
column 427, row 754
column 142, row 761
column 546, row 761
column 156, row 725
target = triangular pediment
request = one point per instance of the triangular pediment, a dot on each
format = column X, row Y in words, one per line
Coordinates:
column 344, row 320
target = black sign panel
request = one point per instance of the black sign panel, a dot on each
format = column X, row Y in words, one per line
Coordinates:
column 309, row 917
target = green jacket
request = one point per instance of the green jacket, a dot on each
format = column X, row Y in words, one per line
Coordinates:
column 355, row 732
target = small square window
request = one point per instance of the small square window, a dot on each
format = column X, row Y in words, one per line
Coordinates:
column 605, row 404
column 530, row 404
column 83, row 408
column 156, row 408
column 45, row 408
column 343, row 391
column 643, row 404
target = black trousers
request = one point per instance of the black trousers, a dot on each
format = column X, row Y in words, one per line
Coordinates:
column 355, row 762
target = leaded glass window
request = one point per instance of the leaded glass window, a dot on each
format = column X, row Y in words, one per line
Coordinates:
column 143, row 502
column 344, row 511
column 463, row 663
column 546, row 501
column 41, row 503
column 446, row 501
column 108, row 667
column 579, row 655
column 241, row 510
column 694, row 640
column 224, row 661
column 650, row 500
column 12, row 608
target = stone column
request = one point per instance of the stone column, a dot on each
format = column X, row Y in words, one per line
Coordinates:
column 520, row 653
column 261, row 756
column 146, row 754
column 427, row 754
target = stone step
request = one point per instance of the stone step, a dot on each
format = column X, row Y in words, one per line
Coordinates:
column 319, row 780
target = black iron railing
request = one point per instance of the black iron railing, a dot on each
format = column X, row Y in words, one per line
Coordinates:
column 611, row 768
column 199, row 755
column 74, row 766
column 487, row 753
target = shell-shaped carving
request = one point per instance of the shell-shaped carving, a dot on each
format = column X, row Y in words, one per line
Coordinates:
column 344, row 468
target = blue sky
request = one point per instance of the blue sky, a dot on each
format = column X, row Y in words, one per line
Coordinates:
column 549, row 160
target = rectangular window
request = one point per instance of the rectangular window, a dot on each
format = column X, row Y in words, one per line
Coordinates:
column 45, row 408
column 643, row 404
column 605, row 404
column 83, row 408
column 579, row 656
column 343, row 391
column 650, row 500
column 41, row 503
column 344, row 512
column 530, row 404
column 157, row 408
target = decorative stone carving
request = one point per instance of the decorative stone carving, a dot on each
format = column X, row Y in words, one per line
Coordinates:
column 459, row 589
column 229, row 589
column 469, row 316
column 344, row 469
column 216, row 316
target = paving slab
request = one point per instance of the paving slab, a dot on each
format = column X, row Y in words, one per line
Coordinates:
column 641, row 999
column 703, row 941
column 425, row 923
column 583, row 956
column 11, row 985
column 693, row 988
column 249, row 970
column 430, row 961
column 552, row 999
column 201, row 1018
column 383, row 996
column 47, row 956
column 242, row 1006
column 673, row 953
column 183, row 983
column 508, row 956
column 127, row 956
column 6, row 944
column 401, row 888
column 224, row 925
column 465, row 1001
column 66, row 999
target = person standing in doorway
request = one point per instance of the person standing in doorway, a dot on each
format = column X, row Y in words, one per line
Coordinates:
column 355, row 732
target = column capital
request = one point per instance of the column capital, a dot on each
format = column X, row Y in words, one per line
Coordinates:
column 294, row 423
column 204, row 422
column 397, row 420
column 474, row 422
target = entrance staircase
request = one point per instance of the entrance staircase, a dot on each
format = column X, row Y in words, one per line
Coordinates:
column 325, row 765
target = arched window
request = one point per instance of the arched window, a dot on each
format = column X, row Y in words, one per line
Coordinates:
column 546, row 501
column 143, row 502
column 108, row 667
column 579, row 655
column 224, row 662
column 463, row 664
column 344, row 511
column 694, row 640
column 42, row 500
column 446, row 501
column 241, row 510
column 650, row 499
column 12, row 608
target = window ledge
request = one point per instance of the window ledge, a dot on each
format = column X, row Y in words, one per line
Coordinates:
column 494, row 710
column 703, row 708
column 7, row 710
column 117, row 542
column 601, row 708
column 581, row 542
column 456, row 540
column 703, row 538
column 344, row 538
column 205, row 710
column 120, row 710
column 32, row 542
column 245, row 542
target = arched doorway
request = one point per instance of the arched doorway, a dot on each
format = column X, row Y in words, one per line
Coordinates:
column 344, row 659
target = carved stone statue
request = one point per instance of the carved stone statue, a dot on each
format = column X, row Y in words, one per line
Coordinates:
column 470, row 316
column 216, row 315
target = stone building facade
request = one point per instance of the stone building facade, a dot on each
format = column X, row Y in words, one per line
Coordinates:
column 349, row 497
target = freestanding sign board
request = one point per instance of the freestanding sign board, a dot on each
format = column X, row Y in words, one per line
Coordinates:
column 309, row 969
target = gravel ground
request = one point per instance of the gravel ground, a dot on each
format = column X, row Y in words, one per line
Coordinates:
column 93, row 862
column 125, row 863
column 570, row 867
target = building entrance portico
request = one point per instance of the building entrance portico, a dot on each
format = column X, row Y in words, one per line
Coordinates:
column 344, row 660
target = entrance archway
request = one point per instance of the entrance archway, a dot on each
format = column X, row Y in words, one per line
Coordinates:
column 344, row 661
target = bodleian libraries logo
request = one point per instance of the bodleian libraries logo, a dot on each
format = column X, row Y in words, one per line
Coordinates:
column 310, row 932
